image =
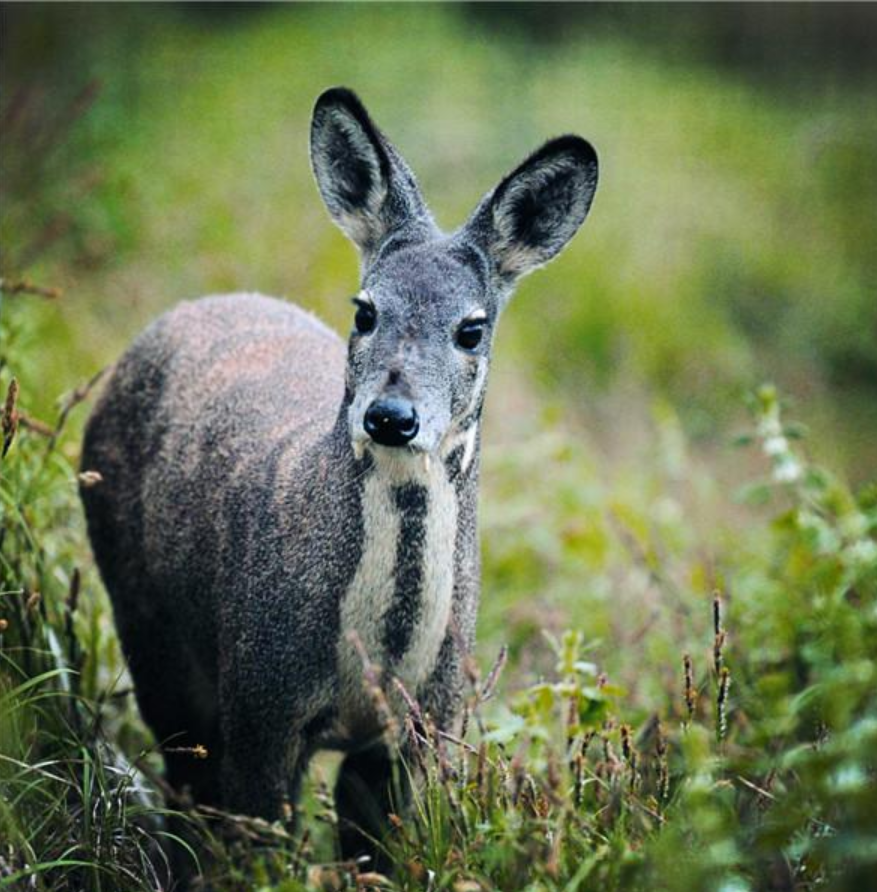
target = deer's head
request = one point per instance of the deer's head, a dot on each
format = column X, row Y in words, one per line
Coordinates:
column 429, row 302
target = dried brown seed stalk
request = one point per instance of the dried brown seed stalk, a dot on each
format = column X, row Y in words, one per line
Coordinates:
column 88, row 479
column 579, row 779
column 719, row 634
column 722, row 703
column 34, row 425
column 26, row 286
column 493, row 676
column 10, row 417
column 198, row 751
column 690, row 693
column 663, row 767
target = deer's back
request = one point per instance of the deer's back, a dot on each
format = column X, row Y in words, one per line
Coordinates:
column 209, row 408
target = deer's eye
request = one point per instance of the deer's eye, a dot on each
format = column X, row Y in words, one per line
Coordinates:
column 366, row 317
column 470, row 333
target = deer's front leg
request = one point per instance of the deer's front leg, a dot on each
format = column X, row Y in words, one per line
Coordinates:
column 264, row 754
column 372, row 784
column 270, row 698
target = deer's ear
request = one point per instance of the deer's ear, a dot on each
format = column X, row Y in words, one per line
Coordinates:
column 367, row 187
column 537, row 208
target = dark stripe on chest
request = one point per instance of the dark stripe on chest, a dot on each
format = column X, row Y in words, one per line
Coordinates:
column 411, row 501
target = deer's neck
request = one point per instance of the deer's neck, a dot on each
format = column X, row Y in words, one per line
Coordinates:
column 396, row 611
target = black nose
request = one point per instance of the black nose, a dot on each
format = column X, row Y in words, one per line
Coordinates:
column 391, row 422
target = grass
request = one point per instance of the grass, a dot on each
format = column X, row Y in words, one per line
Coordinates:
column 638, row 736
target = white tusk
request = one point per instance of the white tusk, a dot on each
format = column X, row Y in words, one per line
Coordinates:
column 358, row 449
column 469, row 451
column 426, row 462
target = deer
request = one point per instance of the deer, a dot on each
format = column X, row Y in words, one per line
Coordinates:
column 277, row 510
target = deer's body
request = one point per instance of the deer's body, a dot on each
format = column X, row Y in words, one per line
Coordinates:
column 241, row 540
column 278, row 511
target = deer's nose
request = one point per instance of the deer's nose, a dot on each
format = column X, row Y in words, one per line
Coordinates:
column 391, row 422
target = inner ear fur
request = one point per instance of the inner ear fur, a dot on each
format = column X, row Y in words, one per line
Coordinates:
column 538, row 207
column 367, row 187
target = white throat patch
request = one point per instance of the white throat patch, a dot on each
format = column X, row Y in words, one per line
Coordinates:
column 370, row 597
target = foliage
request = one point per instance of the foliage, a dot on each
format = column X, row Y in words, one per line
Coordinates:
column 73, row 812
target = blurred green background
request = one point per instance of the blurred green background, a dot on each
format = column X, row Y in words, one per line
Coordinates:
column 732, row 240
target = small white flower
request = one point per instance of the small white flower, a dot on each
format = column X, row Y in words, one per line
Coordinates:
column 861, row 554
column 668, row 510
column 854, row 525
column 769, row 426
column 776, row 445
column 788, row 470
column 849, row 778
